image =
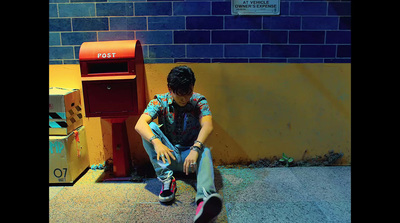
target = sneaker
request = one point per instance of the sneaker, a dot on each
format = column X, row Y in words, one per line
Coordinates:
column 168, row 190
column 209, row 208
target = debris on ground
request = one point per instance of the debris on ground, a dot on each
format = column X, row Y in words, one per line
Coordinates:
column 329, row 159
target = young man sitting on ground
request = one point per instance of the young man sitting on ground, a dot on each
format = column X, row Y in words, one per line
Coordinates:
column 177, row 144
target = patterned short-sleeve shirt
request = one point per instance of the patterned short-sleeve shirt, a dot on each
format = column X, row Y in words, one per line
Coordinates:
column 181, row 125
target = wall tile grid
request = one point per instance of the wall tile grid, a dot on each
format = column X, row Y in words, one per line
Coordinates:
column 204, row 31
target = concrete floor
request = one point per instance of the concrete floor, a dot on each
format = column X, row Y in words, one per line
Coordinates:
column 294, row 194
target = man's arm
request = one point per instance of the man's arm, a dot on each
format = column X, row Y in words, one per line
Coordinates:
column 143, row 128
column 206, row 129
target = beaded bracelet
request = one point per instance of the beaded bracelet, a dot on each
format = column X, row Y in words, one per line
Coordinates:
column 201, row 144
column 153, row 137
column 195, row 148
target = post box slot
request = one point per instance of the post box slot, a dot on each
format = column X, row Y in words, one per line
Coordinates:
column 109, row 67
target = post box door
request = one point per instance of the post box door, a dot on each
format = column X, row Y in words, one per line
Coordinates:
column 111, row 97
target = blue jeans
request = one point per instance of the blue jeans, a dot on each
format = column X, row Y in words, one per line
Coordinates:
column 205, row 171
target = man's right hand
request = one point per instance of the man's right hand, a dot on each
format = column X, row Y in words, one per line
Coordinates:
column 143, row 128
column 162, row 151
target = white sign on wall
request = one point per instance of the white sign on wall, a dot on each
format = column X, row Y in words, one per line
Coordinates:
column 255, row 7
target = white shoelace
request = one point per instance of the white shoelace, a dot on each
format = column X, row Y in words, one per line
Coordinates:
column 167, row 181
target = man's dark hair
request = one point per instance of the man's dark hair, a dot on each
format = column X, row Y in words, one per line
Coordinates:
column 180, row 79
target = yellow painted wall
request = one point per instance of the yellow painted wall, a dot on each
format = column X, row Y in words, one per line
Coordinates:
column 259, row 110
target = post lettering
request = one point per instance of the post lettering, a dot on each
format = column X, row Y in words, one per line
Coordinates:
column 106, row 55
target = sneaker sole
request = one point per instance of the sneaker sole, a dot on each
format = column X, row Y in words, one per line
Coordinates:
column 211, row 208
column 169, row 198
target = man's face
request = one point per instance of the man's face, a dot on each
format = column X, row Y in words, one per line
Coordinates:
column 181, row 100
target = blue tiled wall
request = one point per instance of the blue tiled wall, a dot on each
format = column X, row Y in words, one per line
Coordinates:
column 306, row 31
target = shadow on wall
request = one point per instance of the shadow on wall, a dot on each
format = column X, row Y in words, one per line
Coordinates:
column 106, row 134
column 138, row 154
column 224, row 148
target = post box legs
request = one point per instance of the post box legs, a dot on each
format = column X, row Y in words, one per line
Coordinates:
column 120, row 144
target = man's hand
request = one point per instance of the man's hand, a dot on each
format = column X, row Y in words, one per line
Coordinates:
column 190, row 159
column 163, row 151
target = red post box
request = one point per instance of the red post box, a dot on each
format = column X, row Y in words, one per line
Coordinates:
column 112, row 74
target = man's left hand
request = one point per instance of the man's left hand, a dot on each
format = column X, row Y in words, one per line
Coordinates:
column 190, row 162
